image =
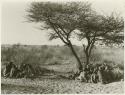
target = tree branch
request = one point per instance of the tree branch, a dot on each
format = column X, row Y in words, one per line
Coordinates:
column 66, row 33
column 57, row 32
column 84, row 48
column 61, row 33
column 92, row 44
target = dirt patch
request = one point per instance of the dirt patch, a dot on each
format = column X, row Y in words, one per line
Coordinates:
column 58, row 86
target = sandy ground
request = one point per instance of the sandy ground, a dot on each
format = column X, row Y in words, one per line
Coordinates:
column 57, row 85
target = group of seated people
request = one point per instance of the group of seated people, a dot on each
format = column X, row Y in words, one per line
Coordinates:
column 91, row 73
column 13, row 71
column 99, row 73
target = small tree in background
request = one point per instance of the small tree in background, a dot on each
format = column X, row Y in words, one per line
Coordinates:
column 99, row 28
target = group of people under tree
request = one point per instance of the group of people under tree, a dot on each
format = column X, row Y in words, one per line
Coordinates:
column 13, row 71
column 90, row 74
column 102, row 73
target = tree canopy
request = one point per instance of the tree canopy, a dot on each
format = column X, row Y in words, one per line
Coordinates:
column 106, row 29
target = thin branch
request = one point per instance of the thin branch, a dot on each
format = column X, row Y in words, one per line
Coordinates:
column 67, row 34
column 57, row 31
column 61, row 33
column 84, row 48
column 92, row 43
column 60, row 36
column 91, row 46
column 61, row 28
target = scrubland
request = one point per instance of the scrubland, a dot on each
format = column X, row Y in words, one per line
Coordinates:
column 56, row 61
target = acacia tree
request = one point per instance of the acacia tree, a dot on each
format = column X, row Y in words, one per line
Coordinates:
column 62, row 18
column 65, row 18
column 105, row 29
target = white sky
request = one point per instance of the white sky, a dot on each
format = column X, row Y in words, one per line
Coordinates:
column 16, row 30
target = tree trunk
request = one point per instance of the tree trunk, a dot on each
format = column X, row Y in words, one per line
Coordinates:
column 87, row 57
column 87, row 52
column 79, row 66
column 88, row 49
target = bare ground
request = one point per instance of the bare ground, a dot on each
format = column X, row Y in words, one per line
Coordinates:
column 57, row 85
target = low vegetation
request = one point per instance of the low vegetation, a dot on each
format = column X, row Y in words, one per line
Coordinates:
column 57, row 62
column 59, row 55
column 41, row 55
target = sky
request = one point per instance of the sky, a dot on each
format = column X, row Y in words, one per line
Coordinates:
column 15, row 29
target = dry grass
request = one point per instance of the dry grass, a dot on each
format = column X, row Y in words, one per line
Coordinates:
column 56, row 85
column 53, row 83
